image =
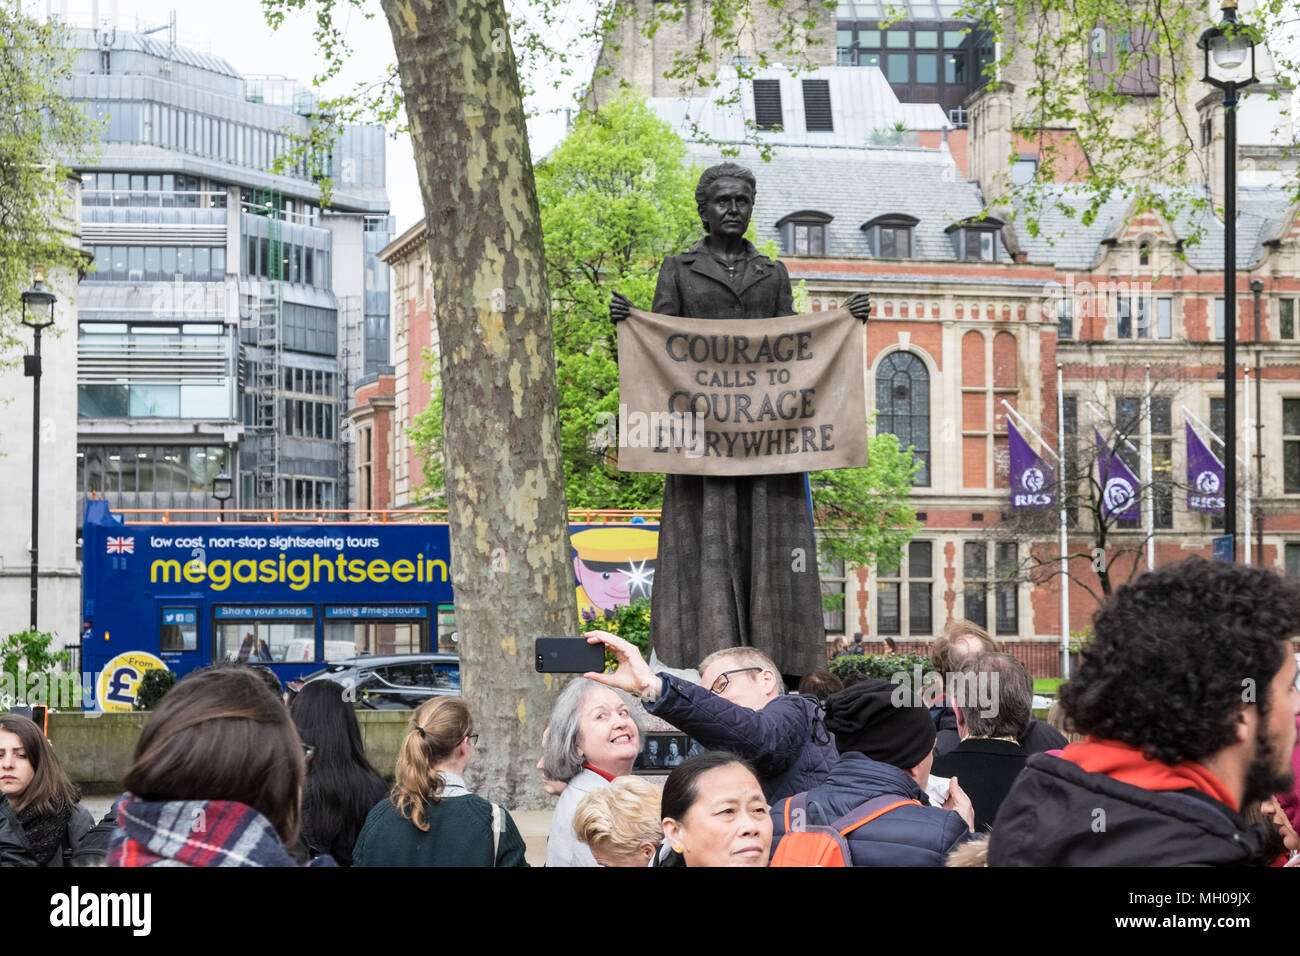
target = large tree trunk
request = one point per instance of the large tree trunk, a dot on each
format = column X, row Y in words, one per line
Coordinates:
column 511, row 563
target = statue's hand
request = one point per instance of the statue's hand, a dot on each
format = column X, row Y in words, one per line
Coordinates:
column 619, row 306
column 859, row 303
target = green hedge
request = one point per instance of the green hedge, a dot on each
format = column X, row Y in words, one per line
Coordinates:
column 854, row 667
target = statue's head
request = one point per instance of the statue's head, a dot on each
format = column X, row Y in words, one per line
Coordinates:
column 725, row 199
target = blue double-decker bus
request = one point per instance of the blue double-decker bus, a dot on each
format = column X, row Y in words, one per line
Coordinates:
column 292, row 596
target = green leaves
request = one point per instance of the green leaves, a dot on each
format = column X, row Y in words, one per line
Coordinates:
column 617, row 197
column 25, row 654
column 864, row 515
column 39, row 130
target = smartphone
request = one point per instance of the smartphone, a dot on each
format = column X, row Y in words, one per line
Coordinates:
column 569, row 655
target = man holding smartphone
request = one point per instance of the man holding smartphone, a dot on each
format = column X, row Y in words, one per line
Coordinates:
column 740, row 705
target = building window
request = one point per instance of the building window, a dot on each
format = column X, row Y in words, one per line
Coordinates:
column 1293, row 561
column 1129, row 413
column 976, row 240
column 1286, row 318
column 817, row 106
column 1144, row 254
column 1218, row 318
column 977, row 581
column 1164, row 318
column 890, row 236
column 767, row 104
column 1291, row 445
column 1024, row 170
column 1065, row 317
column 1124, row 317
column 905, row 594
column 804, row 233
column 833, row 586
column 903, row 406
column 975, row 572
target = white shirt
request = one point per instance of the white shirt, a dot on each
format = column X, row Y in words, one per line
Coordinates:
column 563, row 847
column 454, row 785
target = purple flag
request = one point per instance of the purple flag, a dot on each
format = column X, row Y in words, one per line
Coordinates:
column 1204, row 476
column 1032, row 479
column 1119, row 486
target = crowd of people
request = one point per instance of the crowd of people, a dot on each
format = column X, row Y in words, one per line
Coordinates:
column 1175, row 743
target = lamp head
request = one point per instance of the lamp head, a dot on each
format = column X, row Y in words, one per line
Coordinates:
column 38, row 298
column 1229, row 45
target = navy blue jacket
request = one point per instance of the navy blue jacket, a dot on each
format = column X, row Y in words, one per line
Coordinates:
column 907, row 836
column 785, row 741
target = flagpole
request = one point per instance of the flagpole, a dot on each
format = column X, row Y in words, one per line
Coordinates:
column 1208, row 430
column 1060, row 500
column 1147, row 476
column 1246, row 388
column 1064, row 545
column 1128, row 444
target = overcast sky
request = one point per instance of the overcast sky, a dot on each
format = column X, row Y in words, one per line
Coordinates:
column 236, row 31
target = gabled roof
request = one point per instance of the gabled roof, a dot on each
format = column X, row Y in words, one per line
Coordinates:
column 856, row 186
column 1068, row 243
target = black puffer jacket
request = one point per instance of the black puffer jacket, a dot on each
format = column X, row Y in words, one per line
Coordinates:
column 84, row 844
column 1058, row 814
column 785, row 741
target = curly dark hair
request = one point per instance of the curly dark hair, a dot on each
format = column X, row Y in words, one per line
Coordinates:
column 1171, row 653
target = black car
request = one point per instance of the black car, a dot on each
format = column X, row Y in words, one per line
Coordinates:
column 393, row 682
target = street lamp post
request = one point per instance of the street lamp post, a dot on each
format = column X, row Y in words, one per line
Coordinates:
column 38, row 298
column 1227, row 47
column 1256, row 288
column 221, row 490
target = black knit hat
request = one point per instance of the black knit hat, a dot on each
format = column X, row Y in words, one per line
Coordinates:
column 885, row 721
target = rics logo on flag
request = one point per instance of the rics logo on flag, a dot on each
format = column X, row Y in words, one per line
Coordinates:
column 1118, row 495
column 1030, row 476
column 1207, row 483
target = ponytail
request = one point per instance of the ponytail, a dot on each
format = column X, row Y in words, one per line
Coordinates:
column 437, row 728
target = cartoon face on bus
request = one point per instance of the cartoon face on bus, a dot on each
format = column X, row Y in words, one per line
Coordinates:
column 613, row 566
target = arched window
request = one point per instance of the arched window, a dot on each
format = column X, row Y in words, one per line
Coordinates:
column 903, row 406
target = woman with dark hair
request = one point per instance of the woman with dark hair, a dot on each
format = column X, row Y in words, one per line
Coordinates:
column 341, row 785
column 431, row 818
column 41, row 820
column 215, row 780
column 715, row 814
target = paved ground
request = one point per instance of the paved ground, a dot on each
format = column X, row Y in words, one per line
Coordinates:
column 534, row 825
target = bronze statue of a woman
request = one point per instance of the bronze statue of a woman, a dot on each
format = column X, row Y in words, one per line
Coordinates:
column 737, row 561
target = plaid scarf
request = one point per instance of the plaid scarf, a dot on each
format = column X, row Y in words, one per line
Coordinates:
column 196, row 833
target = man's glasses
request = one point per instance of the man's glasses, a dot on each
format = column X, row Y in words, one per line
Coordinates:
column 308, row 751
column 472, row 738
column 724, row 679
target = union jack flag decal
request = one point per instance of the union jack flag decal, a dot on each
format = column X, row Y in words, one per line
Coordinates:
column 121, row 545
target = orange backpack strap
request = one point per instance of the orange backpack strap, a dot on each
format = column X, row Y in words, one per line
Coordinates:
column 870, row 811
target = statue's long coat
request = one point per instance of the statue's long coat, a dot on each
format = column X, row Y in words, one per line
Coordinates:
column 737, row 561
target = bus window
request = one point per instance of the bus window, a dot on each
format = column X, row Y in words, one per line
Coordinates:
column 179, row 630
column 266, row 635
column 447, row 629
column 379, row 629
column 375, row 637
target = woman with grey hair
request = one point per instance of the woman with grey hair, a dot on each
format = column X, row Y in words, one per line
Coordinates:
column 594, row 738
